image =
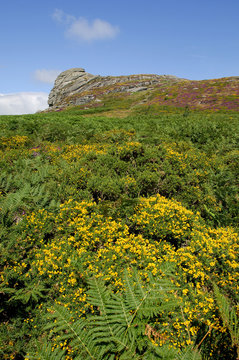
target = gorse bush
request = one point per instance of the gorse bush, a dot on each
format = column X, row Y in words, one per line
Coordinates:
column 61, row 250
column 119, row 237
column 161, row 219
column 120, row 324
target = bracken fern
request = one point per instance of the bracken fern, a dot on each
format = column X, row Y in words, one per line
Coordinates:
column 229, row 316
column 120, row 326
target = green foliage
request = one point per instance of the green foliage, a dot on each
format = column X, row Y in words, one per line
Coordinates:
column 45, row 352
column 29, row 295
column 121, row 327
column 229, row 316
column 86, row 193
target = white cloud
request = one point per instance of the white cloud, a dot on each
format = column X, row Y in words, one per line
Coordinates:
column 46, row 76
column 58, row 15
column 23, row 103
column 82, row 29
column 62, row 17
column 97, row 30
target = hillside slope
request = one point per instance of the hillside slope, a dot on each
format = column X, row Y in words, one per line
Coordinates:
column 119, row 221
column 76, row 87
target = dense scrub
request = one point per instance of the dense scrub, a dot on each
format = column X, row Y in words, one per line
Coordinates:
column 98, row 211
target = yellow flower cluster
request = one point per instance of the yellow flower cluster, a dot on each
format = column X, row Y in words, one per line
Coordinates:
column 14, row 141
column 164, row 219
column 73, row 152
column 13, row 147
column 185, row 159
column 86, row 243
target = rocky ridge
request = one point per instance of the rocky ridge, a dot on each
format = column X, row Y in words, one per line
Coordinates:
column 77, row 87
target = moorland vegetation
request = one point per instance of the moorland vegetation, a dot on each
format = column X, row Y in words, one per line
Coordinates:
column 119, row 234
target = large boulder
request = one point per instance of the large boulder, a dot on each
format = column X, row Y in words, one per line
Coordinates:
column 67, row 83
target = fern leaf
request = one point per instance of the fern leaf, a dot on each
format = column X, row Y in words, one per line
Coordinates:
column 228, row 314
column 34, row 293
column 108, row 327
column 189, row 354
column 75, row 331
column 131, row 296
column 118, row 328
column 98, row 294
column 46, row 352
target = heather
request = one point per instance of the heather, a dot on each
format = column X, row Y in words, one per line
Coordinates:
column 119, row 232
column 212, row 95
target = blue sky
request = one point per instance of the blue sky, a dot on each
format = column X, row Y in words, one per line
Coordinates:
column 194, row 39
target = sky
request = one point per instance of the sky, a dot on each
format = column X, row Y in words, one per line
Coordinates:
column 193, row 39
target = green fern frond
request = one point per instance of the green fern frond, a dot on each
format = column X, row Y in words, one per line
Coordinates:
column 6, row 181
column 117, row 330
column 123, row 317
column 148, row 299
column 29, row 293
column 106, row 329
column 14, row 200
column 47, row 352
column 162, row 352
column 229, row 315
column 75, row 331
column 98, row 294
column 189, row 353
column 165, row 352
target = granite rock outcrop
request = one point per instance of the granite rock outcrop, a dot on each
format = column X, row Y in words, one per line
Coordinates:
column 67, row 83
column 77, row 87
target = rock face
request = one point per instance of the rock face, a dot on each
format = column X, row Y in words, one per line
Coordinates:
column 67, row 83
column 76, row 87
